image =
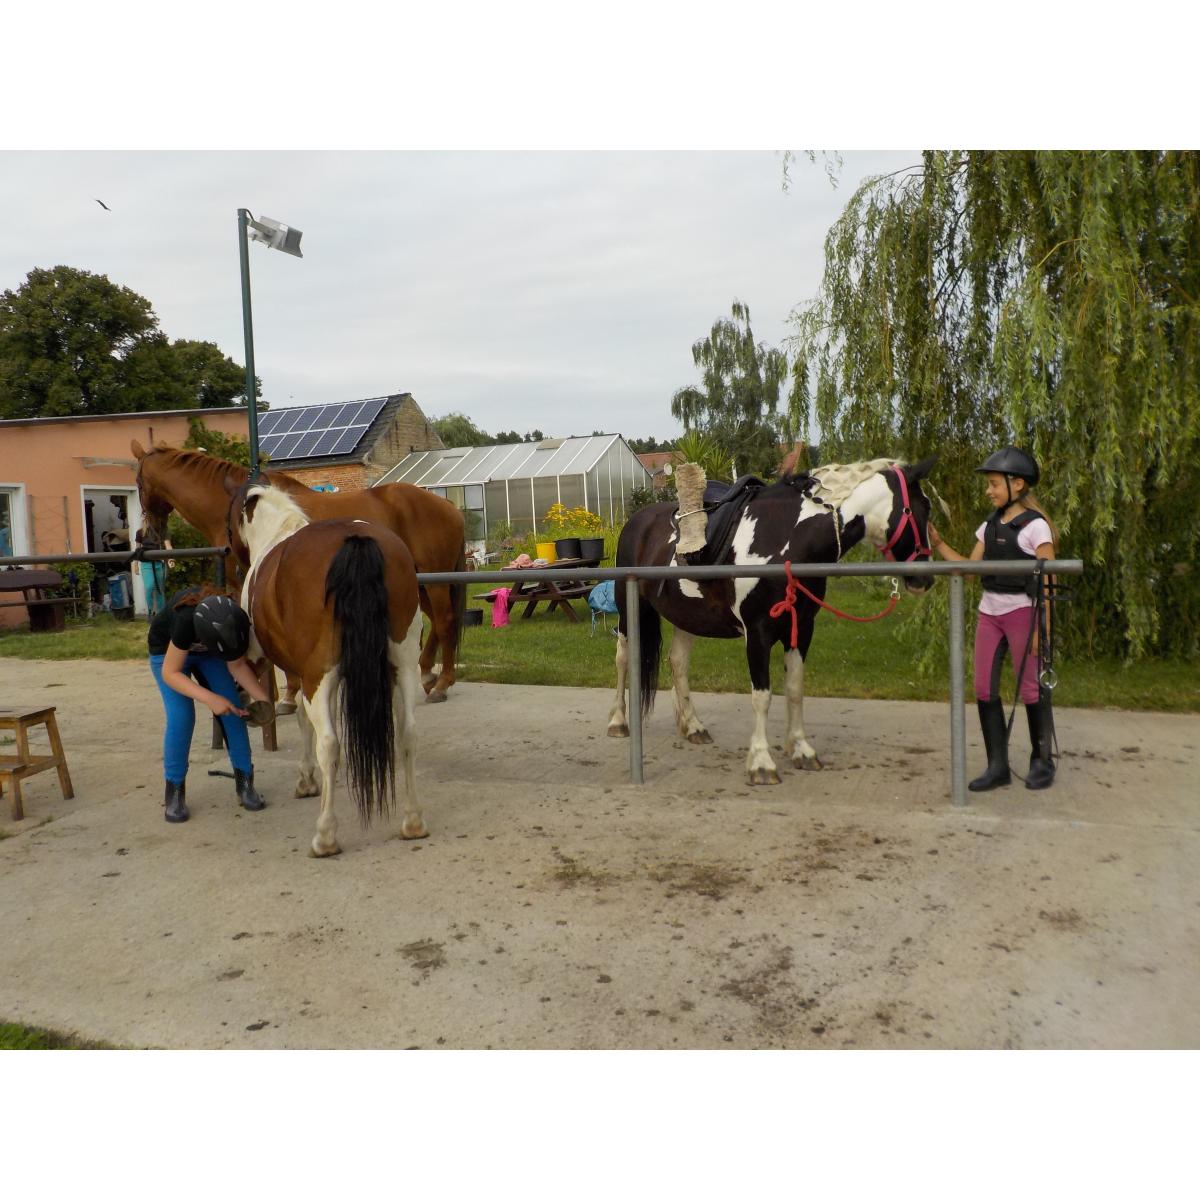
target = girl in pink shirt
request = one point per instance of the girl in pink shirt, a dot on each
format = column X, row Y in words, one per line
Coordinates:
column 1017, row 530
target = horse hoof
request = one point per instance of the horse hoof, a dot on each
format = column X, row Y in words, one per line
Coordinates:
column 284, row 708
column 764, row 775
column 808, row 764
column 306, row 789
column 434, row 697
column 413, row 829
column 316, row 850
column 700, row 738
column 427, row 682
column 618, row 731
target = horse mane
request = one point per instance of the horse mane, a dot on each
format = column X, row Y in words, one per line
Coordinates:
column 207, row 466
column 835, row 481
column 276, row 517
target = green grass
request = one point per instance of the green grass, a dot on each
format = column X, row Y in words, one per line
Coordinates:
column 29, row 1037
column 859, row 661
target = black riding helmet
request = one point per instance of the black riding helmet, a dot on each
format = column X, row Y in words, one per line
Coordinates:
column 223, row 627
column 1011, row 461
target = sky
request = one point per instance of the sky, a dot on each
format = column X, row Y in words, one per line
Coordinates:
column 556, row 290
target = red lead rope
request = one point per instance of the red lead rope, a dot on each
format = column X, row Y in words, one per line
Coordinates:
column 788, row 604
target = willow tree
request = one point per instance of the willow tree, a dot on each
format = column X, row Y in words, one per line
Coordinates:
column 737, row 404
column 1051, row 299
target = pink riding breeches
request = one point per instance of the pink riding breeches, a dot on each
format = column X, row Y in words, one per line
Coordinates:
column 992, row 636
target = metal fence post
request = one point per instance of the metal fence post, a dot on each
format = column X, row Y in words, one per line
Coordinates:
column 633, row 675
column 958, row 727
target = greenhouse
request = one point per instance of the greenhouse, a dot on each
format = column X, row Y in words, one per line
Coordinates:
column 518, row 484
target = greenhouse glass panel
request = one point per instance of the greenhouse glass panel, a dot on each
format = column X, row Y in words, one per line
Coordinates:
column 545, row 496
column 495, row 503
column 520, row 505
column 571, row 489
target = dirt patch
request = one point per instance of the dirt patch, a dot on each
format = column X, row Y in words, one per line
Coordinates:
column 556, row 905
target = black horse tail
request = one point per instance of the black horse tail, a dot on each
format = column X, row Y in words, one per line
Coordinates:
column 650, row 633
column 355, row 580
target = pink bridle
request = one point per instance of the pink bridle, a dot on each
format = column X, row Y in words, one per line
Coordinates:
column 919, row 548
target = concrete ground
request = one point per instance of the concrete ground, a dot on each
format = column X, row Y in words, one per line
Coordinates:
column 556, row 905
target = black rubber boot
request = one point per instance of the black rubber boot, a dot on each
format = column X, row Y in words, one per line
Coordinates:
column 995, row 741
column 248, row 798
column 1041, row 727
column 176, row 807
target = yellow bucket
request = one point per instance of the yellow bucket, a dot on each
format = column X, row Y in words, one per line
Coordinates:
column 546, row 550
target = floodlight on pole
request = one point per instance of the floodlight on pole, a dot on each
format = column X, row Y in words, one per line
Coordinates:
column 277, row 236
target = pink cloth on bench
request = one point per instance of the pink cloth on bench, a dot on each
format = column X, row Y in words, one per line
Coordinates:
column 500, row 607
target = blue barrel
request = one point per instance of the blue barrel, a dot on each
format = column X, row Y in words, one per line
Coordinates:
column 120, row 590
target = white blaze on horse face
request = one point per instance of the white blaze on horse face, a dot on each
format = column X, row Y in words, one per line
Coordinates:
column 742, row 557
column 871, row 500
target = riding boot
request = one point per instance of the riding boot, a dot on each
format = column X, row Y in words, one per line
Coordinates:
column 995, row 741
column 248, row 798
column 1041, row 729
column 176, row 807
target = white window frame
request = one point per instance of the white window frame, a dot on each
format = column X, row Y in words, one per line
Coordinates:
column 18, row 503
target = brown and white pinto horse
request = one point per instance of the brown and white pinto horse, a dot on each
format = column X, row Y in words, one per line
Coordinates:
column 335, row 604
column 194, row 485
column 801, row 519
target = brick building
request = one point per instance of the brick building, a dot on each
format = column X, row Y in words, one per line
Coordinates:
column 347, row 445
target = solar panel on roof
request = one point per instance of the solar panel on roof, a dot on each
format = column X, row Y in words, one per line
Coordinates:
column 317, row 430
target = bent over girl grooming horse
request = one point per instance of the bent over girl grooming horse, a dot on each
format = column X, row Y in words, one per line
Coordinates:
column 802, row 519
column 335, row 604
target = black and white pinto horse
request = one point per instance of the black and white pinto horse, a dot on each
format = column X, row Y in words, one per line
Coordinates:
column 800, row 519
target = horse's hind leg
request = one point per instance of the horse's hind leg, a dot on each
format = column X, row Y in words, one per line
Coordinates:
column 689, row 724
column 796, row 745
column 328, row 749
column 306, row 783
column 442, row 633
column 404, row 701
column 430, row 648
column 618, row 722
column 760, row 766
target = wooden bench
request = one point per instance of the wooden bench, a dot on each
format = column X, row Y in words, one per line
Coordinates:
column 45, row 612
column 14, row 768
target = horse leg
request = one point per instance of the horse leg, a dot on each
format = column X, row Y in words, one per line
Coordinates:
column 618, row 723
column 288, row 703
column 325, row 841
column 441, row 617
column 689, row 724
column 796, row 745
column 760, row 766
column 404, row 701
column 430, row 647
column 306, row 784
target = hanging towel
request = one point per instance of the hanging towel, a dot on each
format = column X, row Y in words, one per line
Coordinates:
column 500, row 607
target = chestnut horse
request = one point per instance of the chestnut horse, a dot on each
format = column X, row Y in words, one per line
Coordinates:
column 335, row 604
column 811, row 518
column 194, row 485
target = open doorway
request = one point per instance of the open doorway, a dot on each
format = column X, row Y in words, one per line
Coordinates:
column 111, row 515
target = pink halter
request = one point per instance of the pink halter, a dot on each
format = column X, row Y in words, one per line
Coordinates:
column 919, row 549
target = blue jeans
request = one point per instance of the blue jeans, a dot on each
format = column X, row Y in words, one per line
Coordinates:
column 212, row 673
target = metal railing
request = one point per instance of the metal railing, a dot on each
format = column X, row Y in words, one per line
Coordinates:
column 630, row 576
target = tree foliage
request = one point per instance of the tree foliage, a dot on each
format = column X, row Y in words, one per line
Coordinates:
column 1051, row 299
column 457, row 429
column 737, row 403
column 75, row 344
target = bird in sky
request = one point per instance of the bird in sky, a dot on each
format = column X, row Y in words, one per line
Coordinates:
column 102, row 205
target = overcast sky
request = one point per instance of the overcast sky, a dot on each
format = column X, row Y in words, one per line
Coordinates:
column 558, row 291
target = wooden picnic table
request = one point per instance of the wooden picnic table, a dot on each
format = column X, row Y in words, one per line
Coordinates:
column 558, row 593
column 45, row 612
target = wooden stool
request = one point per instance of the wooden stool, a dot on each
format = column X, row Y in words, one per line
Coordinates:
column 14, row 768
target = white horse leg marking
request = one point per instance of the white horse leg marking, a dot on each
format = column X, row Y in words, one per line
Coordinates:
column 618, row 723
column 689, row 724
column 306, row 783
column 796, row 745
column 405, row 659
column 760, row 766
column 328, row 756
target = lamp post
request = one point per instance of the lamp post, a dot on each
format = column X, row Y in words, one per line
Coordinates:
column 279, row 237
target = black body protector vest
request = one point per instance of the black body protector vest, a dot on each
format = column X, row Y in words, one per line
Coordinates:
column 1000, row 543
